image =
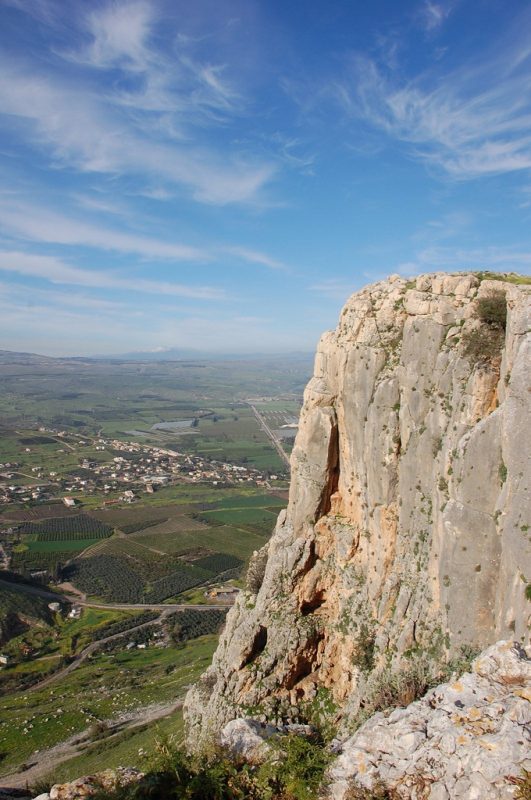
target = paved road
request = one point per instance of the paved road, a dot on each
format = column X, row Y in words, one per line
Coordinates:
column 276, row 444
column 62, row 598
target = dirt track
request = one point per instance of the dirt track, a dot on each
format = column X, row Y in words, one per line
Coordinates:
column 41, row 763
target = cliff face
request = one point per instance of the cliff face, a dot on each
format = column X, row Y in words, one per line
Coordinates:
column 407, row 530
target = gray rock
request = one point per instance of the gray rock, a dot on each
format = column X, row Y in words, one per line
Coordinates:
column 97, row 784
column 246, row 739
column 449, row 742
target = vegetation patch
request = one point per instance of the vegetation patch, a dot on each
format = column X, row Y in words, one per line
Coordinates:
column 183, row 578
column 485, row 343
column 507, row 277
column 106, row 576
column 141, row 525
column 218, row 562
column 59, row 529
column 255, row 519
column 191, row 623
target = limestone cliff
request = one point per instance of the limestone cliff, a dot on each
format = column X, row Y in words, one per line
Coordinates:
column 407, row 531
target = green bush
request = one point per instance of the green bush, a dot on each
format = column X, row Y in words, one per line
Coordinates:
column 492, row 309
column 485, row 343
column 297, row 771
column 294, row 772
column 399, row 688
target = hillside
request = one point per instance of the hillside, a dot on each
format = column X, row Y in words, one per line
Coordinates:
column 19, row 610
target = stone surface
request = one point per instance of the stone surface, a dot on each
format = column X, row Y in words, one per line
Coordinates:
column 100, row 782
column 461, row 741
column 246, row 739
column 407, row 532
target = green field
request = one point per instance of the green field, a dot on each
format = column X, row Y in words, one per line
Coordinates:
column 256, row 520
column 170, row 543
column 49, row 637
column 64, row 546
column 223, row 539
column 251, row 501
column 86, row 397
column 103, row 689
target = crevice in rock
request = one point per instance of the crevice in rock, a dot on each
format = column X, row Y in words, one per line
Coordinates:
column 309, row 563
column 312, row 605
column 305, row 662
column 257, row 647
column 331, row 486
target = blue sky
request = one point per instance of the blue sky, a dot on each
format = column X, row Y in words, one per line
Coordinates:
column 221, row 175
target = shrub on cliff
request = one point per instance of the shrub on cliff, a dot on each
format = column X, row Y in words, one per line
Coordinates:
column 485, row 343
column 492, row 309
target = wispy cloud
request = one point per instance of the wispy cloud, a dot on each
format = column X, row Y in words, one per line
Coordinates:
column 255, row 257
column 432, row 15
column 56, row 270
column 146, row 123
column 470, row 122
column 502, row 259
column 118, row 34
column 83, row 134
column 36, row 224
column 31, row 223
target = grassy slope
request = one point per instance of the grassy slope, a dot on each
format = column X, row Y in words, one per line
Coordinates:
column 108, row 685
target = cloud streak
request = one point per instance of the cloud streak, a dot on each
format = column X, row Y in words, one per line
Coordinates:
column 148, row 130
column 31, row 223
column 470, row 123
column 56, row 270
column 39, row 225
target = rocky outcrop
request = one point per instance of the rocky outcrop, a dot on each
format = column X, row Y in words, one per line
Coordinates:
column 464, row 739
column 98, row 785
column 407, row 531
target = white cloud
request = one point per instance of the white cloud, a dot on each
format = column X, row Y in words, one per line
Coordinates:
column 30, row 222
column 254, row 257
column 118, row 34
column 433, row 15
column 471, row 122
column 57, row 271
column 93, row 133
column 36, row 224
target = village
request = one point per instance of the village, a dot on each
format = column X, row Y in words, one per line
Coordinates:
column 136, row 469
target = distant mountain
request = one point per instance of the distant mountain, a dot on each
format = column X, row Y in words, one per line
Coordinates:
column 181, row 354
column 170, row 354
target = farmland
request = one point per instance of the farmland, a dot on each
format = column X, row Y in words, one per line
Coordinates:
column 174, row 485
column 110, row 398
column 163, row 552
column 58, row 529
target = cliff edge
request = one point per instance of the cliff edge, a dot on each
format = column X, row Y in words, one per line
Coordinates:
column 406, row 540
